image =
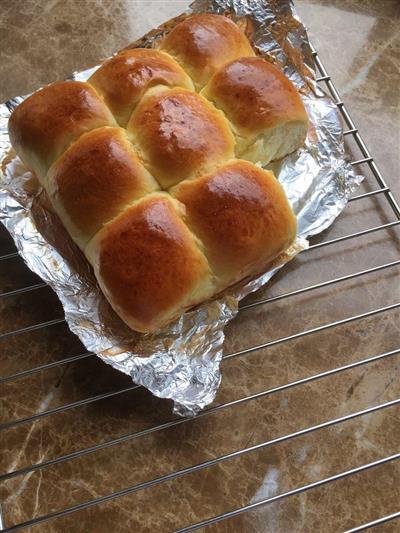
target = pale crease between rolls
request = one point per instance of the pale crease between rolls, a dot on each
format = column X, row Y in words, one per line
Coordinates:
column 150, row 178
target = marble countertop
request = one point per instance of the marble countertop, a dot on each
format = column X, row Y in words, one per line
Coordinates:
column 359, row 43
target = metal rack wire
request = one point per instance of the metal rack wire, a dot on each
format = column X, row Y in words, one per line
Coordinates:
column 383, row 190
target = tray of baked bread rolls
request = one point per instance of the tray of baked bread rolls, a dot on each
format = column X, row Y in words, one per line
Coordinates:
column 166, row 184
column 99, row 463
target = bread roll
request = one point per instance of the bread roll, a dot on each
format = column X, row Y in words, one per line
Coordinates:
column 123, row 79
column 46, row 123
column 179, row 135
column 95, row 179
column 264, row 108
column 218, row 220
column 203, row 43
column 242, row 216
column 148, row 263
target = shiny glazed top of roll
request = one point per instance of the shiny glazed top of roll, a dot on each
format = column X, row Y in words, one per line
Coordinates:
column 123, row 79
column 95, row 179
column 47, row 122
column 241, row 214
column 179, row 134
column 203, row 43
column 255, row 95
column 149, row 263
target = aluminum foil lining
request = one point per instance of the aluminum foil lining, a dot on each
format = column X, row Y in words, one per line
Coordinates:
column 182, row 362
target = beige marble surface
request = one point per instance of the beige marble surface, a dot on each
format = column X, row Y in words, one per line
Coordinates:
column 359, row 41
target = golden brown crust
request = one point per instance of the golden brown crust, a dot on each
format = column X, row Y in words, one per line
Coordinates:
column 242, row 216
column 157, row 254
column 180, row 135
column 123, row 79
column 148, row 263
column 95, row 179
column 255, row 95
column 203, row 43
column 47, row 122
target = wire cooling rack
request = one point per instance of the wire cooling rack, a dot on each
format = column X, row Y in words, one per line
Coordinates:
column 382, row 189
